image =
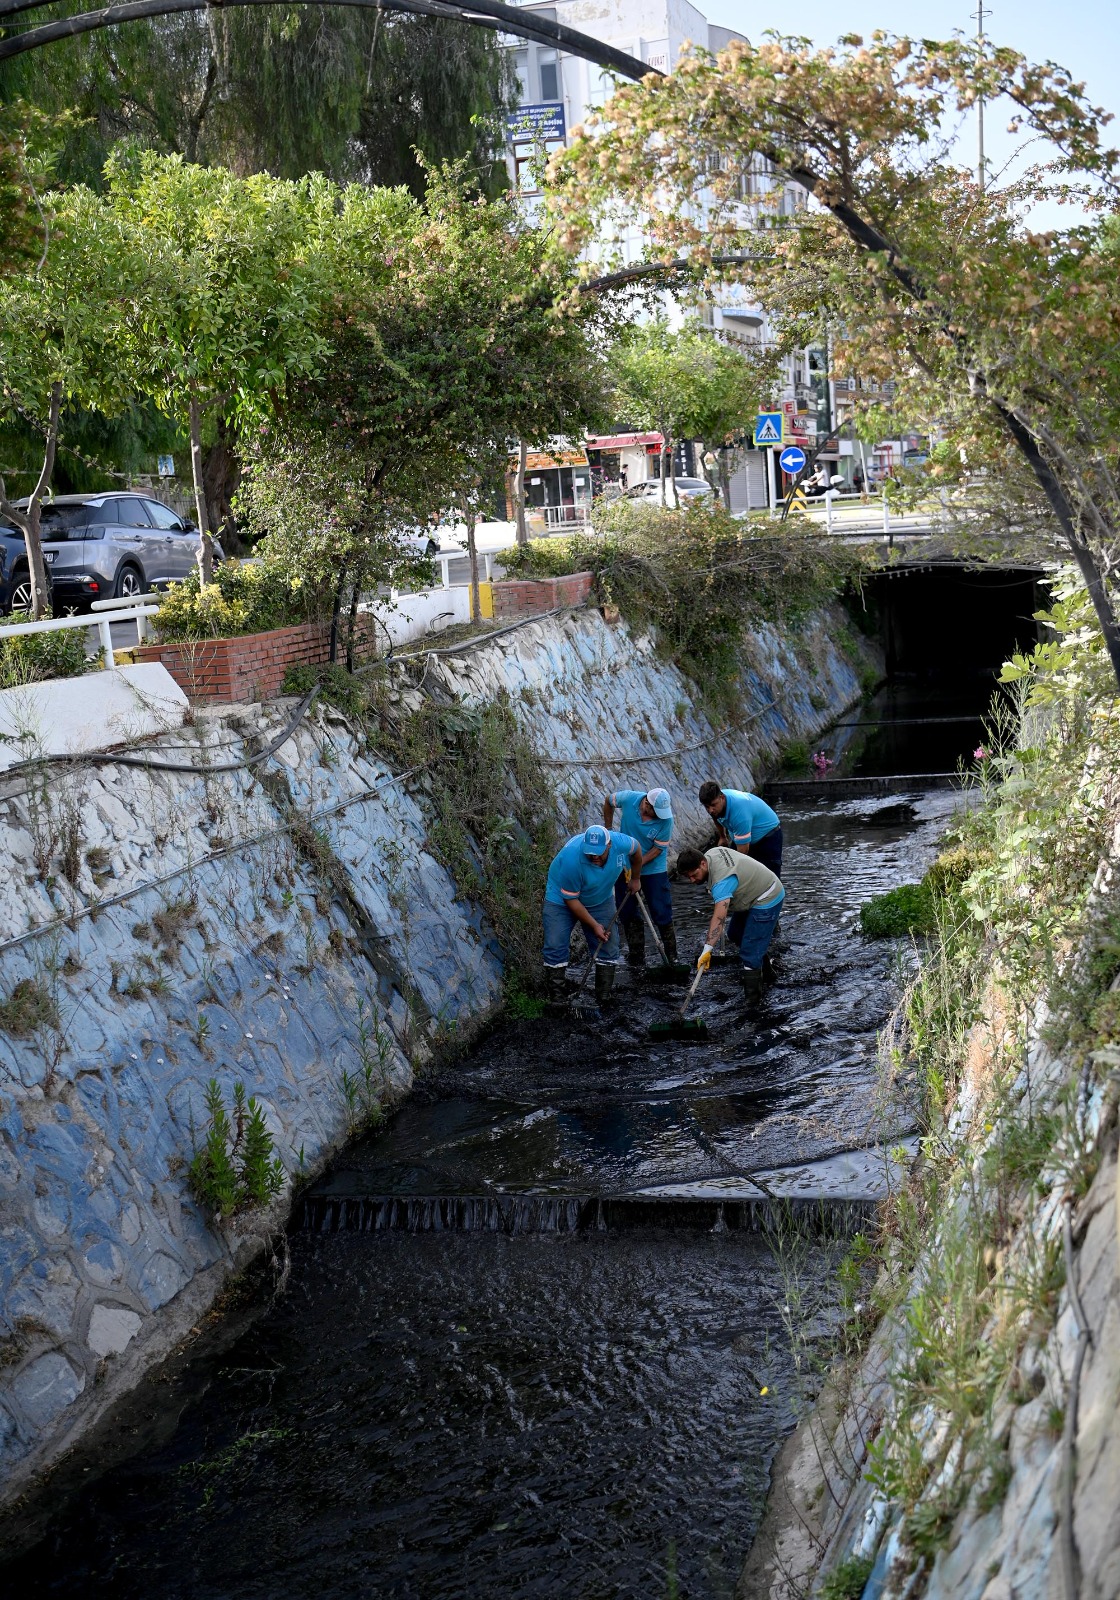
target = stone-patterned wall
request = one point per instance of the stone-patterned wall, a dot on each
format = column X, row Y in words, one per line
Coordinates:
column 181, row 928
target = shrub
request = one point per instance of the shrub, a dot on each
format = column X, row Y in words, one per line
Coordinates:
column 907, row 909
column 28, row 1007
column 242, row 599
column 34, row 657
column 236, row 1169
column 696, row 577
column 848, row 1579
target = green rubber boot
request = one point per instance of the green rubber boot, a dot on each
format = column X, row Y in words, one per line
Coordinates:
column 556, row 982
column 604, row 984
column 669, row 940
column 752, row 984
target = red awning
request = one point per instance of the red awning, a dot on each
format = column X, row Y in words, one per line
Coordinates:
column 622, row 441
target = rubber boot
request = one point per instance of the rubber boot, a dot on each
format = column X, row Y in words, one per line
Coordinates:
column 604, row 984
column 556, row 980
column 752, row 984
column 635, row 935
column 669, row 940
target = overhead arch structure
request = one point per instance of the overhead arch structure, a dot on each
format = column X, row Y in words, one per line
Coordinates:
column 492, row 14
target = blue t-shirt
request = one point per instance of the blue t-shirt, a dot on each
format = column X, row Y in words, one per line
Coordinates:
column 647, row 833
column 746, row 818
column 574, row 876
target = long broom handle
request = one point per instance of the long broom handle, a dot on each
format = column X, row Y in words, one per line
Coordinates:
column 652, row 926
column 592, row 954
column 692, row 988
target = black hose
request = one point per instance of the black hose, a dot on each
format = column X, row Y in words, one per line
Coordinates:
column 83, row 758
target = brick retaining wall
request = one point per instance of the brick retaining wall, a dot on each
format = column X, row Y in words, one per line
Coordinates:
column 252, row 666
column 529, row 597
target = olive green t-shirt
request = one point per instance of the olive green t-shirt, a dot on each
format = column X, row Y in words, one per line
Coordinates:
column 757, row 884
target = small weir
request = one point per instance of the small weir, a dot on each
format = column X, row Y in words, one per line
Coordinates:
column 822, row 1217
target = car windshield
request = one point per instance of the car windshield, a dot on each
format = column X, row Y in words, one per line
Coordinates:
column 63, row 522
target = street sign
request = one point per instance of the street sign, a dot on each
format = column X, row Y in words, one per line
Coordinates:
column 539, row 124
column 769, row 428
column 792, row 459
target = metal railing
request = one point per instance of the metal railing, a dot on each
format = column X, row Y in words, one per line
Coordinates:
column 133, row 608
column 853, row 512
column 559, row 517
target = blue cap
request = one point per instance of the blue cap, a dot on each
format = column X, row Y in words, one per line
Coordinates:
column 661, row 803
column 595, row 841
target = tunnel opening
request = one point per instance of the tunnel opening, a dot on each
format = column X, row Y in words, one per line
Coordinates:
column 945, row 631
column 954, row 624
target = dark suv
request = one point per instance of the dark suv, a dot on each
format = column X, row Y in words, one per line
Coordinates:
column 99, row 546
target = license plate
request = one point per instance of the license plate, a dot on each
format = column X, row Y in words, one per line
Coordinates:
column 49, row 555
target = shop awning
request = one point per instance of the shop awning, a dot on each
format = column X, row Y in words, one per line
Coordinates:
column 622, row 441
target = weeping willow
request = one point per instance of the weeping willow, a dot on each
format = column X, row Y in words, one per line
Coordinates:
column 286, row 90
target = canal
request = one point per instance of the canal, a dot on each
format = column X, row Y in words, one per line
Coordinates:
column 543, row 1332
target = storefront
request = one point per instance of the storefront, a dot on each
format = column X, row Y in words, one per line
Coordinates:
column 624, row 459
column 557, row 486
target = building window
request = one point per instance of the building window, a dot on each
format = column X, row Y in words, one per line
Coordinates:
column 550, row 75
column 521, row 71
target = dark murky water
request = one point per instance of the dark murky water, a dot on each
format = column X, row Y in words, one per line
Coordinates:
column 913, row 726
column 470, row 1414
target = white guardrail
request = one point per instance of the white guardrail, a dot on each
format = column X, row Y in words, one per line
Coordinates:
column 132, row 608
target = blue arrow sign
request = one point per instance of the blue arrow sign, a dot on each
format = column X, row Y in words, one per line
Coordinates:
column 792, row 459
column 769, row 428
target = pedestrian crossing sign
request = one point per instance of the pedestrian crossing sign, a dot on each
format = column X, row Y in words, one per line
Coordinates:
column 769, row 428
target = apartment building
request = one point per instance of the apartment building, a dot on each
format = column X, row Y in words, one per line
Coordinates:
column 557, row 93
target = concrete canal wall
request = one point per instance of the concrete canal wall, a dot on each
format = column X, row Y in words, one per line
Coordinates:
column 1021, row 1504
column 288, row 925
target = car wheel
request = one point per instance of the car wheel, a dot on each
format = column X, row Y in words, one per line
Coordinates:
column 129, row 583
column 21, row 590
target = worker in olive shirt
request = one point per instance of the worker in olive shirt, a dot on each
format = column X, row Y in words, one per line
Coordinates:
column 753, row 896
column 745, row 822
column 646, row 815
column 580, row 888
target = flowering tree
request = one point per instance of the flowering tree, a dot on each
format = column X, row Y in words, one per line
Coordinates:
column 926, row 274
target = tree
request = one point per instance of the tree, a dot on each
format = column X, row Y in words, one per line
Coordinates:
column 287, row 90
column 474, row 337
column 231, row 281
column 926, row 274
column 651, row 370
column 727, row 385
column 62, row 345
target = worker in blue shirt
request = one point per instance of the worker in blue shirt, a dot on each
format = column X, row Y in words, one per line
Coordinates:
column 646, row 815
column 745, row 823
column 580, row 888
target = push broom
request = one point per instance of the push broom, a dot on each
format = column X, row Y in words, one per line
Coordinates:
column 692, row 1031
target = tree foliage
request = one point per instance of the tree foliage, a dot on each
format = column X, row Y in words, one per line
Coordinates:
column 471, row 337
column 689, row 383
column 282, row 89
column 1013, row 333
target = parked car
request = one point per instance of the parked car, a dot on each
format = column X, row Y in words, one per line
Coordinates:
column 15, row 580
column 687, row 489
column 104, row 546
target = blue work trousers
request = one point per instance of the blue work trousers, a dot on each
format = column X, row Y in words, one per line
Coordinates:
column 558, row 925
column 658, row 899
column 768, row 850
column 752, row 931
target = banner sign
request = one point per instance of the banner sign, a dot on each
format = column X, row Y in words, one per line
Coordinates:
column 541, row 124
